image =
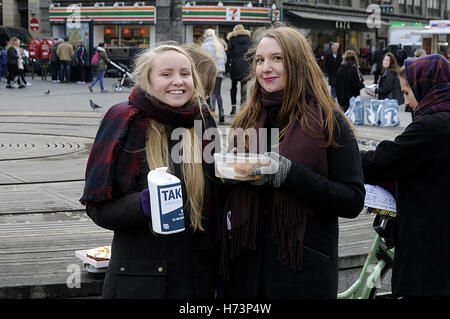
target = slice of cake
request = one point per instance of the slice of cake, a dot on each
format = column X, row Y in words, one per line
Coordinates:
column 244, row 168
column 99, row 253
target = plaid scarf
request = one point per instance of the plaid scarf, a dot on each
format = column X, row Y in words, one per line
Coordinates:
column 289, row 214
column 110, row 173
column 429, row 78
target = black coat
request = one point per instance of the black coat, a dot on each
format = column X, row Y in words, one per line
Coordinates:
column 332, row 65
column 148, row 265
column 348, row 84
column 12, row 57
column 261, row 275
column 389, row 87
column 418, row 161
column 239, row 43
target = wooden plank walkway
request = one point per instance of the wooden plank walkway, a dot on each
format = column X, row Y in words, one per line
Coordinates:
column 42, row 223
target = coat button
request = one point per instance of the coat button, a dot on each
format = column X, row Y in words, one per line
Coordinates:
column 160, row 269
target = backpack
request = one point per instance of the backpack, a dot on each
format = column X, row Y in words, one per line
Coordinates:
column 94, row 60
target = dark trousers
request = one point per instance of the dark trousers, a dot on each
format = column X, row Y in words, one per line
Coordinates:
column 233, row 91
column 54, row 69
column 64, row 66
column 216, row 96
column 13, row 71
column 81, row 73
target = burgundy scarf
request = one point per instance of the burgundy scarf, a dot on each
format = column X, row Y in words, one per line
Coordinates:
column 289, row 214
column 110, row 173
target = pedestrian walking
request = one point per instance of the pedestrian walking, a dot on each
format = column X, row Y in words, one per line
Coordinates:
column 281, row 235
column 332, row 63
column 54, row 60
column 65, row 53
column 239, row 43
column 12, row 60
column 21, row 69
column 401, row 55
column 136, row 137
column 389, row 82
column 3, row 64
column 377, row 60
column 81, row 59
column 349, row 80
column 101, row 67
column 216, row 50
column 415, row 163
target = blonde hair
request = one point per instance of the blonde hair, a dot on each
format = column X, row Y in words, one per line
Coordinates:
column 217, row 45
column 304, row 82
column 157, row 148
column 238, row 27
column 11, row 42
column 351, row 56
column 206, row 68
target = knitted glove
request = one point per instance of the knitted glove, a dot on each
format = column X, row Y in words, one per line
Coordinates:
column 275, row 173
column 145, row 202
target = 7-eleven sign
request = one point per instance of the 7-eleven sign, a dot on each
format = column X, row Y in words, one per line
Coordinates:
column 233, row 14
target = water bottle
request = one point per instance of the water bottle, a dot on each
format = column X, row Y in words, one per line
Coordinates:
column 166, row 201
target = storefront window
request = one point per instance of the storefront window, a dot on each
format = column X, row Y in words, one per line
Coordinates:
column 127, row 35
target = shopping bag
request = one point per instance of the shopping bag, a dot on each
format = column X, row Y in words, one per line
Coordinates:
column 383, row 113
column 389, row 113
column 372, row 111
column 355, row 111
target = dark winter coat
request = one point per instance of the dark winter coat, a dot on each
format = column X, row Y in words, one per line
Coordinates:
column 12, row 57
column 348, row 84
column 239, row 43
column 377, row 58
column 103, row 59
column 148, row 265
column 332, row 65
column 418, row 160
column 81, row 56
column 389, row 87
column 257, row 275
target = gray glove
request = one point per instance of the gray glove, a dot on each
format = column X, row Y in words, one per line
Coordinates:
column 275, row 174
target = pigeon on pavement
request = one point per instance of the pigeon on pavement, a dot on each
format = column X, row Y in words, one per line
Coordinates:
column 94, row 106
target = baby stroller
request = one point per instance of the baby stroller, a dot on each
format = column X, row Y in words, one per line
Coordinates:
column 125, row 77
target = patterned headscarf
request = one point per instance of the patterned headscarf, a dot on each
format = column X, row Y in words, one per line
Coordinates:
column 429, row 79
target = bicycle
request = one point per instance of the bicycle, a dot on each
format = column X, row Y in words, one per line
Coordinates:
column 372, row 274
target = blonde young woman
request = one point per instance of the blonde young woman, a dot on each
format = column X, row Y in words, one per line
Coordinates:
column 13, row 59
column 281, row 234
column 216, row 50
column 133, row 138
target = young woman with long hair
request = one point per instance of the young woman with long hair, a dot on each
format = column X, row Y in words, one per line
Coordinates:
column 135, row 137
column 281, row 237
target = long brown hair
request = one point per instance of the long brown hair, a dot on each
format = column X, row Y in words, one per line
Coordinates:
column 393, row 65
column 304, row 83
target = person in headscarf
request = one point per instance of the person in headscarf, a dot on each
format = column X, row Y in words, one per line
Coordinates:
column 416, row 163
column 281, row 235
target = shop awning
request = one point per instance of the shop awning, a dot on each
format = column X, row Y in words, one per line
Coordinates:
column 434, row 31
column 330, row 17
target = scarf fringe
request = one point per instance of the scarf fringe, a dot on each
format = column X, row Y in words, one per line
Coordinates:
column 289, row 239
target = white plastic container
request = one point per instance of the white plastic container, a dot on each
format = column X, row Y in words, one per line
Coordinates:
column 237, row 166
column 166, row 201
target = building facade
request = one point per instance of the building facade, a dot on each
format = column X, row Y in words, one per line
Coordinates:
column 356, row 24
